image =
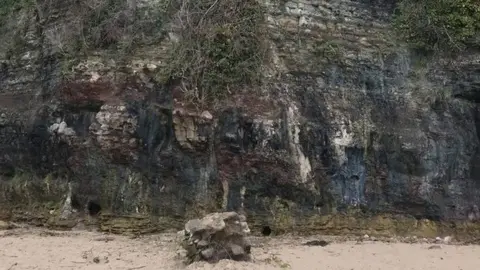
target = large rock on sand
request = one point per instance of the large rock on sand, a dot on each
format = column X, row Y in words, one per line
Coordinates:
column 215, row 237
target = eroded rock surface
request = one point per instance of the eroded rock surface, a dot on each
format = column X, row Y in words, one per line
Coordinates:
column 215, row 237
column 351, row 131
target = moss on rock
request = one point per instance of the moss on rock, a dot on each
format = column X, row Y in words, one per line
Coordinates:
column 451, row 25
column 33, row 200
column 136, row 224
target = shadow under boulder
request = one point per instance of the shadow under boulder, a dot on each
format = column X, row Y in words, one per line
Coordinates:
column 215, row 237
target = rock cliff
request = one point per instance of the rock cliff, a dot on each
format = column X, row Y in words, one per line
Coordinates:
column 350, row 131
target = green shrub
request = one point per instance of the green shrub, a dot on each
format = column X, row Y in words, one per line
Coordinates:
column 450, row 25
column 105, row 24
column 220, row 49
column 71, row 27
column 116, row 23
column 8, row 7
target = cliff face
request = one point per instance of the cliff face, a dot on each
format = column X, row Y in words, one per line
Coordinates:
column 348, row 120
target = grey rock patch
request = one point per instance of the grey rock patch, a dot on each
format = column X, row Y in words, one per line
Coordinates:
column 215, row 237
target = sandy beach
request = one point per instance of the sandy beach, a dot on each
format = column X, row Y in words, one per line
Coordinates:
column 43, row 249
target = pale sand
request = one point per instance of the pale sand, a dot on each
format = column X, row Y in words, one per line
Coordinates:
column 42, row 249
